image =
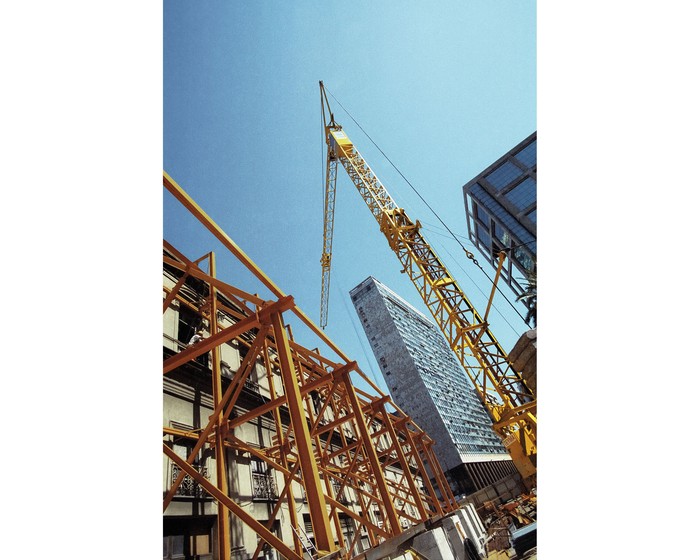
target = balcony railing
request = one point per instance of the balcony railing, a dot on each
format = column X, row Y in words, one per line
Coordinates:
column 251, row 385
column 189, row 486
column 264, row 487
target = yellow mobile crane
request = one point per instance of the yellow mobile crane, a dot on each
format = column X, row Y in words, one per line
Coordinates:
column 503, row 391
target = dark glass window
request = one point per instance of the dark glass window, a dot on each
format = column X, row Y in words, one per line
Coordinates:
column 523, row 258
column 188, row 323
column 528, row 155
column 484, row 218
column 533, row 216
column 501, row 235
column 483, row 235
column 173, row 546
column 504, row 175
column 524, row 194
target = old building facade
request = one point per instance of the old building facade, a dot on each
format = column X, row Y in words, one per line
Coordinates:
column 368, row 492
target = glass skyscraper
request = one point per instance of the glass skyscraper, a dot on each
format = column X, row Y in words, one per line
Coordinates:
column 501, row 204
column 426, row 381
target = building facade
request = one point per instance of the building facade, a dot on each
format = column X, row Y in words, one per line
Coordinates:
column 501, row 208
column 426, row 381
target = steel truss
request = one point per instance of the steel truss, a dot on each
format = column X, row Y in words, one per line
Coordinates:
column 336, row 442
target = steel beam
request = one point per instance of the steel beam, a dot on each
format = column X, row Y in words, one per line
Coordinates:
column 302, row 438
column 222, row 518
column 404, row 463
column 226, row 335
column 371, row 452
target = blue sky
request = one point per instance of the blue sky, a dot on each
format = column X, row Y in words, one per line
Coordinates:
column 442, row 92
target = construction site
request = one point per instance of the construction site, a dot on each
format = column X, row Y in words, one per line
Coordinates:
column 271, row 451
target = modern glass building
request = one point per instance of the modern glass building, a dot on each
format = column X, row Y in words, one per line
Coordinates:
column 501, row 205
column 426, row 381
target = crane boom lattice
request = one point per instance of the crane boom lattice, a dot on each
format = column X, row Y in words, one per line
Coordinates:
column 502, row 389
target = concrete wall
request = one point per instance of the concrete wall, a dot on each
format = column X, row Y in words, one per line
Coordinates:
column 473, row 526
column 435, row 545
column 455, row 533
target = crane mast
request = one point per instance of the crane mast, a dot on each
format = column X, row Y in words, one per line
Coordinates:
column 329, row 205
column 503, row 391
column 328, row 217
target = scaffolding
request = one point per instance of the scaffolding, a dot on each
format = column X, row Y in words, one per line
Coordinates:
column 333, row 441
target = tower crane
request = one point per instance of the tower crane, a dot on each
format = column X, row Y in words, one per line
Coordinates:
column 510, row 403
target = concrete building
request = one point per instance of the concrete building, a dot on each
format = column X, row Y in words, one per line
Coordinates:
column 501, row 208
column 427, row 382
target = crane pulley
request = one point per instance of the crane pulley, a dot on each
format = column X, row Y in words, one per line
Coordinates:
column 503, row 391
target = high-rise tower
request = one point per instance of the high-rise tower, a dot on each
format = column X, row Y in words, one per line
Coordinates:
column 427, row 382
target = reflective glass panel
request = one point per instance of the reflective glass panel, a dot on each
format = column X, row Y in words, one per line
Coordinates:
column 504, row 175
column 482, row 215
column 501, row 235
column 528, row 155
column 523, row 258
column 524, row 194
column 483, row 235
column 506, row 219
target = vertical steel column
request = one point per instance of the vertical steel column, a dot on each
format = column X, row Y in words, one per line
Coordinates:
column 402, row 458
column 291, row 506
column 437, row 473
column 324, row 462
column 435, row 468
column 222, row 518
column 354, row 484
column 415, row 453
column 334, row 512
column 309, row 468
column 371, row 452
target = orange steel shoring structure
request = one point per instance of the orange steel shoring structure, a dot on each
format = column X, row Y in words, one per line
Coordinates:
column 322, row 406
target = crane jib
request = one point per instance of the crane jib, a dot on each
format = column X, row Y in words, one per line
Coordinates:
column 502, row 390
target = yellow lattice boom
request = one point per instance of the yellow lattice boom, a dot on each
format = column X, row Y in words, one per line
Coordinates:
column 505, row 394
